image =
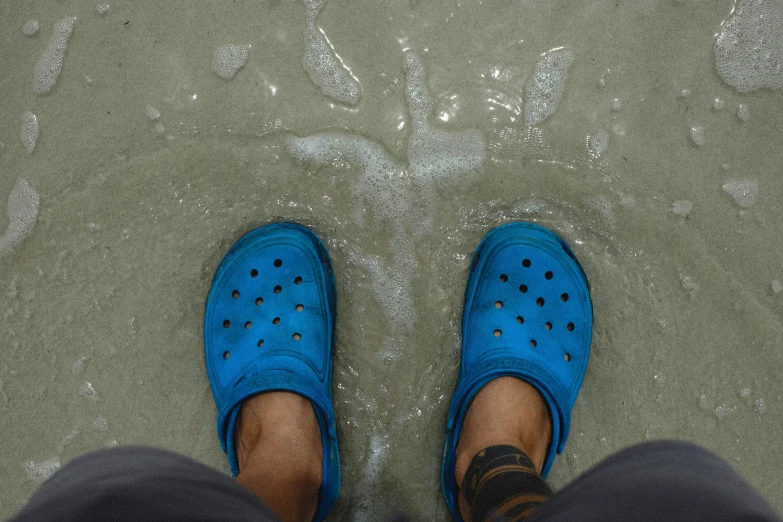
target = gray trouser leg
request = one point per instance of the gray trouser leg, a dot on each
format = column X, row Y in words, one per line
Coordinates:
column 133, row 484
column 672, row 481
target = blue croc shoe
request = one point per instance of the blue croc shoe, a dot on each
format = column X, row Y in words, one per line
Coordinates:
column 527, row 314
column 269, row 326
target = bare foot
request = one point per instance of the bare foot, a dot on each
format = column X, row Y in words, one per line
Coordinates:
column 506, row 411
column 278, row 444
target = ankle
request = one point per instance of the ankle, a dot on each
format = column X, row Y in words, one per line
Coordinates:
column 278, row 419
column 506, row 411
column 278, row 445
column 293, row 455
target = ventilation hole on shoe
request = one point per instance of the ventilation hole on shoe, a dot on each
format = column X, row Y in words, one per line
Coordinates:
column 567, row 357
column 548, row 326
column 248, row 325
column 276, row 320
column 523, row 289
column 540, row 301
column 254, row 273
column 498, row 304
column 299, row 307
column 520, row 319
column 533, row 343
column 297, row 336
column 497, row 333
column 564, row 297
column 259, row 301
column 298, row 280
column 226, row 323
column 278, row 289
column 235, row 294
column 278, row 263
column 570, row 327
column 226, row 355
column 504, row 278
column 526, row 263
column 260, row 343
column 549, row 274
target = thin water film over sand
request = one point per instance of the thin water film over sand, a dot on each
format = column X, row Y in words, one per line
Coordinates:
column 139, row 140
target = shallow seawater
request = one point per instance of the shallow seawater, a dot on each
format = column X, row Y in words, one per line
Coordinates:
column 410, row 145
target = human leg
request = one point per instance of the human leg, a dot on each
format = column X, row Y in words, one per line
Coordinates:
column 526, row 334
column 279, row 450
column 275, row 414
column 269, row 342
column 129, row 484
column 501, row 451
column 663, row 480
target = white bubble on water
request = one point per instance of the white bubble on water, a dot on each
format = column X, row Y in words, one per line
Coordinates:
column 160, row 128
column 760, row 406
column 50, row 64
column 152, row 113
column 718, row 104
column 685, row 93
column 744, row 393
column 30, row 130
column 385, row 187
column 79, row 365
column 378, row 457
column 313, row 8
column 682, row 207
column 688, row 284
column 30, row 27
column 88, row 391
column 228, row 59
column 546, row 84
column 604, row 79
column 744, row 192
column 327, row 70
column 697, row 135
column 40, row 471
column 598, row 143
column 749, row 47
column 531, row 207
column 617, row 104
column 743, row 111
column 436, row 155
column 392, row 286
column 382, row 181
column 22, row 214
column 704, row 402
column 322, row 63
column 604, row 208
column 659, row 380
column 102, row 9
column 777, row 286
column 100, row 423
column 368, row 505
column 723, row 410
column 445, row 157
column 389, row 190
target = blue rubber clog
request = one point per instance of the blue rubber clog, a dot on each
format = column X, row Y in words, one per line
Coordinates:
column 269, row 326
column 527, row 314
